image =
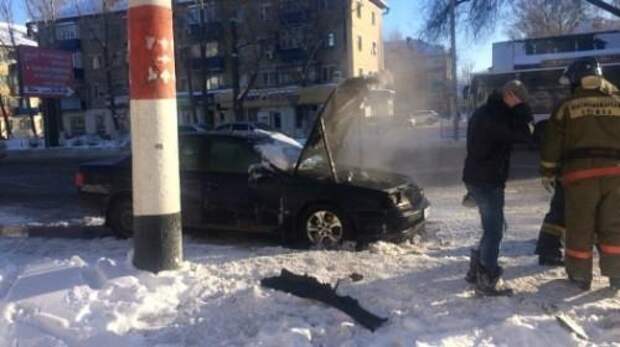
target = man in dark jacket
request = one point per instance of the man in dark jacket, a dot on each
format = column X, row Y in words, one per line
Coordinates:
column 493, row 129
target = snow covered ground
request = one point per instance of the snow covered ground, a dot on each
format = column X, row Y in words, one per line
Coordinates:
column 63, row 291
column 59, row 292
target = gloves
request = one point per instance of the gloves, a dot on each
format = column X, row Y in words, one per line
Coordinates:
column 548, row 182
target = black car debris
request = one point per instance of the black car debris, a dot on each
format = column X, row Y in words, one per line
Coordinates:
column 269, row 183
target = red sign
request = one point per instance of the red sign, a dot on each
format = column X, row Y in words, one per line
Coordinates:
column 151, row 47
column 45, row 72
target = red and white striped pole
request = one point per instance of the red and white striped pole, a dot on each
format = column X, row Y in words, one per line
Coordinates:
column 154, row 141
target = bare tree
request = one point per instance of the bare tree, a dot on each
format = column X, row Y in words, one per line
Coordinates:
column 251, row 36
column 538, row 18
column 466, row 72
column 99, row 31
column 481, row 16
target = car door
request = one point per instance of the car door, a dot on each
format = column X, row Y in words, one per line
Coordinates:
column 193, row 150
column 228, row 203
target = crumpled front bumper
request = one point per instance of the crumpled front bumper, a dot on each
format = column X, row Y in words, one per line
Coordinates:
column 391, row 225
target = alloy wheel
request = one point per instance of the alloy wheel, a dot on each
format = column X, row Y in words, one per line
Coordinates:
column 324, row 229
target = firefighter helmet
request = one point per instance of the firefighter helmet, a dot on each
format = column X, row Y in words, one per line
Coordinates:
column 579, row 69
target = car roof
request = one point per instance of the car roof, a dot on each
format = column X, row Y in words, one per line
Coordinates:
column 250, row 137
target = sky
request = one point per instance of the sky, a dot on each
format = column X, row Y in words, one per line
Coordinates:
column 405, row 16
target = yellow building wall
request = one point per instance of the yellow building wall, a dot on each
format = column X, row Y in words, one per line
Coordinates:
column 365, row 60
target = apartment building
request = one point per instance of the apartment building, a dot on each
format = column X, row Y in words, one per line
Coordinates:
column 421, row 75
column 291, row 53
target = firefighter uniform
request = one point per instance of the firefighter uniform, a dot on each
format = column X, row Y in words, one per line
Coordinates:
column 582, row 144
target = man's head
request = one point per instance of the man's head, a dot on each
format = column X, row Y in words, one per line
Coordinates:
column 514, row 93
column 579, row 69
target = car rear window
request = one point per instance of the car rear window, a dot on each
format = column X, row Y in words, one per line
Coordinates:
column 231, row 156
column 193, row 153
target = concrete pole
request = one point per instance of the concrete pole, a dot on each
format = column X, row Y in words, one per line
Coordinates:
column 154, row 141
column 454, row 87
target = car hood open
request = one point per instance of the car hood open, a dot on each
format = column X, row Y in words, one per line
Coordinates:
column 341, row 110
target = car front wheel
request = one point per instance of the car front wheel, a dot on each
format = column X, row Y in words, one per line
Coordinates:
column 120, row 217
column 323, row 227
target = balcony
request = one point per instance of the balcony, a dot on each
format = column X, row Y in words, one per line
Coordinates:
column 214, row 64
column 211, row 31
column 69, row 45
column 290, row 55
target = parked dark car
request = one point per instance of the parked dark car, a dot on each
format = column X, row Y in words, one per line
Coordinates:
column 265, row 183
column 243, row 127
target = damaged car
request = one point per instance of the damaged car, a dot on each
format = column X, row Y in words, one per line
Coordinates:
column 270, row 183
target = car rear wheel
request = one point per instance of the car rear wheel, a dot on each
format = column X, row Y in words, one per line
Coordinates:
column 120, row 217
column 323, row 227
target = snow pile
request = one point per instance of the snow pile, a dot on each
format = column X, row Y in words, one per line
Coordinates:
column 281, row 151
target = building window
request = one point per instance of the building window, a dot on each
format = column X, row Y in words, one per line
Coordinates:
column 66, row 31
column 292, row 38
column 327, row 73
column 374, row 48
column 97, row 61
column 331, row 40
column 118, row 58
column 215, row 82
column 265, row 11
column 359, row 43
column 374, row 18
column 213, row 49
column 359, row 9
column 274, row 77
column 100, row 127
column 77, row 125
column 193, row 15
column 182, row 84
column 77, row 60
column 276, row 120
column 299, row 119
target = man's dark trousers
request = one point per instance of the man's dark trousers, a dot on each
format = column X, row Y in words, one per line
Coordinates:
column 490, row 201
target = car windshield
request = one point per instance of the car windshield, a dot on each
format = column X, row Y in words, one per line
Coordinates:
column 282, row 152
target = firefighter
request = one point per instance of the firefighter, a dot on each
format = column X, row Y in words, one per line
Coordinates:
column 549, row 245
column 582, row 145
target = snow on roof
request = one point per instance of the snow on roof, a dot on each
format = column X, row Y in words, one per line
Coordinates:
column 19, row 32
column 78, row 8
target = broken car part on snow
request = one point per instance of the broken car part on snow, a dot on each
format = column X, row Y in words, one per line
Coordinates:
column 310, row 288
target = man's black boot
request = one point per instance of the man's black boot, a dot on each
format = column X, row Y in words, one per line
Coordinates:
column 488, row 283
column 549, row 250
column 474, row 261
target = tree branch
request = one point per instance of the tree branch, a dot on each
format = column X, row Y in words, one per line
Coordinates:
column 605, row 6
